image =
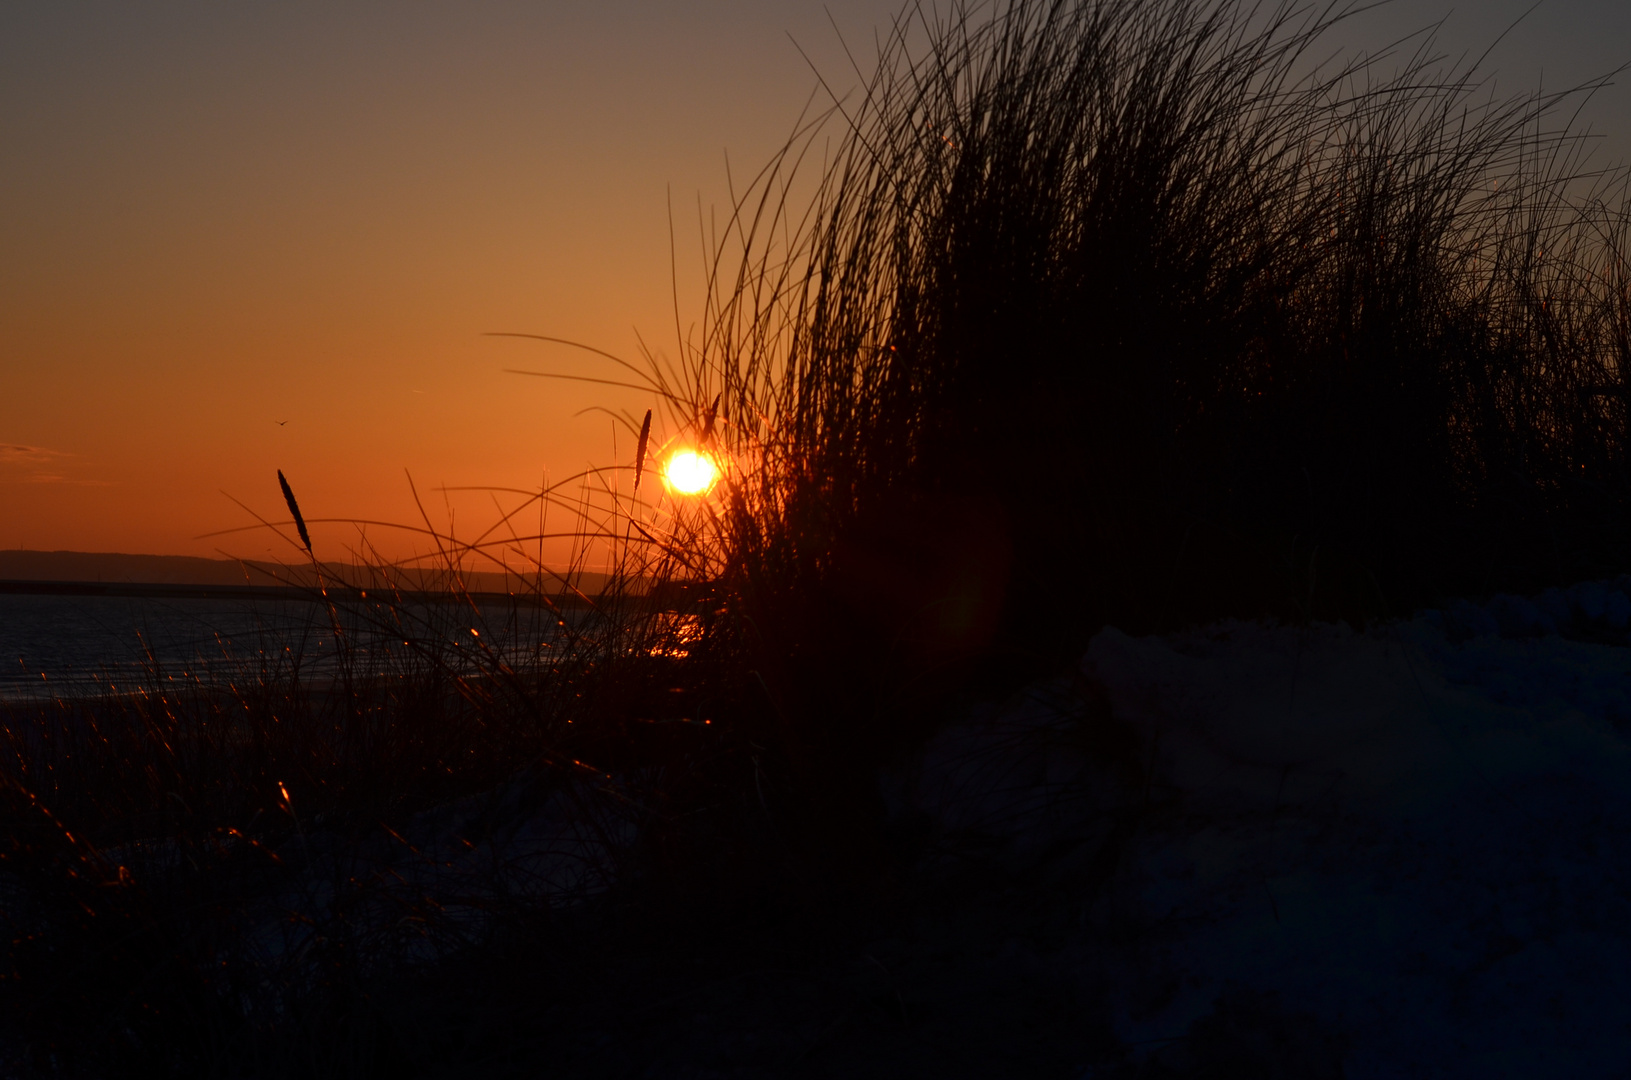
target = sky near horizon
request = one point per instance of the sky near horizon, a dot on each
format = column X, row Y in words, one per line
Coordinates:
column 250, row 237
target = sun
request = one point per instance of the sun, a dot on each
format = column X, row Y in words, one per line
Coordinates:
column 689, row 472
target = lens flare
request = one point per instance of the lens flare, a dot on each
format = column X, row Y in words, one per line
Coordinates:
column 688, row 472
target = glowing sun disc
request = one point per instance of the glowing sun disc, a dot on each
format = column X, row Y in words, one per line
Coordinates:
column 689, row 473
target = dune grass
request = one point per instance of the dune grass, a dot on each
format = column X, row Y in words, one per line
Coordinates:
column 1202, row 326
column 1145, row 315
column 1097, row 312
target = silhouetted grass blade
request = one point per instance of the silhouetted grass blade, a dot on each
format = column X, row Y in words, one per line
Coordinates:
column 640, row 449
column 294, row 508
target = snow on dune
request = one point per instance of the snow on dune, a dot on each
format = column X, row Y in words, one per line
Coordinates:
column 1426, row 844
column 1417, row 838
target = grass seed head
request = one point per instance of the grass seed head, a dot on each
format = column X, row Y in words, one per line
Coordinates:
column 294, row 508
column 640, row 449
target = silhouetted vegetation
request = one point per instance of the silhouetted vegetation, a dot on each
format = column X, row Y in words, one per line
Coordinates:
column 1190, row 324
column 1136, row 314
column 1101, row 312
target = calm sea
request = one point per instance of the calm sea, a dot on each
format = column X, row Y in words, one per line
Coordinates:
column 69, row 646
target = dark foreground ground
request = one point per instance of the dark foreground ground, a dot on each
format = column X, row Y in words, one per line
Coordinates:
column 1316, row 853
column 1243, row 851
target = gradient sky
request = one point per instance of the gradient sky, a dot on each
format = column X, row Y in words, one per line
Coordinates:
column 215, row 217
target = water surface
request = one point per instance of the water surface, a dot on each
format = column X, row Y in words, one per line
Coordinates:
column 73, row 645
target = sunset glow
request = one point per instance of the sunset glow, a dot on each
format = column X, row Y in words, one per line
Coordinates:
column 286, row 229
column 688, row 472
column 250, row 222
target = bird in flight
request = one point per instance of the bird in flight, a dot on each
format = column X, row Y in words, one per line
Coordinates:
column 280, row 423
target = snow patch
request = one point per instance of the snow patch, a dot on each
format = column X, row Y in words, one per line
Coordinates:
column 1417, row 837
column 1425, row 843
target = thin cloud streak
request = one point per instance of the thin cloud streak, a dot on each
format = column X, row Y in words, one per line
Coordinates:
column 21, row 464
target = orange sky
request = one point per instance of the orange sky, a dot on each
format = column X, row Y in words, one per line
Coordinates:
column 217, row 217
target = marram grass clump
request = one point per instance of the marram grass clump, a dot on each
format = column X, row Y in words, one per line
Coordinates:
column 1111, row 311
